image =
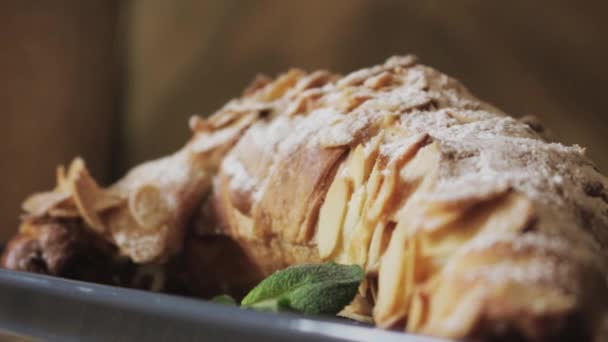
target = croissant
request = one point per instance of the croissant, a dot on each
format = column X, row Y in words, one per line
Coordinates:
column 467, row 222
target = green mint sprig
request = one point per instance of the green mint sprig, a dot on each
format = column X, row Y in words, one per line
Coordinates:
column 311, row 289
column 315, row 289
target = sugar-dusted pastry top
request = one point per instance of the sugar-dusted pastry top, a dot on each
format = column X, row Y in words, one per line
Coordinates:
column 309, row 122
column 466, row 221
column 435, row 193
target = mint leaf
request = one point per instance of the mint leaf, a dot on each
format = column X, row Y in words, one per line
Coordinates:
column 310, row 289
column 224, row 299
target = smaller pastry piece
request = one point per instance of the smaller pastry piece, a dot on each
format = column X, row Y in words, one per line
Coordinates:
column 66, row 248
column 144, row 214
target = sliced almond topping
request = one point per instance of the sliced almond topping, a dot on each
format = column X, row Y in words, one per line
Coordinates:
column 107, row 200
column 198, row 124
column 508, row 214
column 353, row 245
column 85, row 193
column 382, row 184
column 514, row 214
column 219, row 119
column 66, row 209
column 360, row 243
column 411, row 268
column 438, row 216
column 360, row 310
column 148, row 207
column 103, row 202
column 383, row 198
column 61, row 178
column 282, row 84
column 349, row 102
column 353, row 215
column 457, row 319
column 75, row 186
column 401, row 61
column 374, row 182
column 376, row 247
column 75, row 169
column 418, row 311
column 39, row 204
column 426, row 160
column 381, row 80
column 259, row 82
column 391, row 304
column 297, row 106
column 371, row 149
column 64, row 179
column 356, row 166
column 358, row 77
column 317, row 79
column 331, row 216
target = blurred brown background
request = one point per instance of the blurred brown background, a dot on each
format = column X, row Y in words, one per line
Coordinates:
column 115, row 81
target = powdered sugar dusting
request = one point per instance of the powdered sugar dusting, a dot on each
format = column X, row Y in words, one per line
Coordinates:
column 240, row 180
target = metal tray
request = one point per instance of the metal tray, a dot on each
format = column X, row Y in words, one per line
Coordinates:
column 55, row 309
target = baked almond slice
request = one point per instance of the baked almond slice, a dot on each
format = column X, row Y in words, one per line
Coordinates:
column 354, row 215
column 356, row 166
column 85, row 193
column 61, row 202
column 400, row 153
column 394, row 289
column 398, row 278
column 39, row 204
column 377, row 246
column 279, row 87
column 331, row 216
column 148, row 207
column 377, row 205
column 67, row 208
column 362, row 242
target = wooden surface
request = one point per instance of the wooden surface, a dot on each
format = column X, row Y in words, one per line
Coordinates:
column 57, row 95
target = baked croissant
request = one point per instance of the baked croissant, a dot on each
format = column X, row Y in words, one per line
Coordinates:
column 467, row 222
